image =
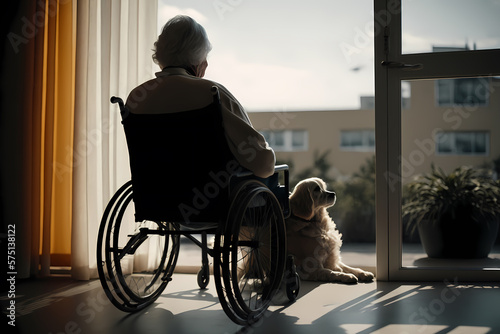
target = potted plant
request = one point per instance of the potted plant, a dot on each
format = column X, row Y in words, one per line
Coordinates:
column 456, row 214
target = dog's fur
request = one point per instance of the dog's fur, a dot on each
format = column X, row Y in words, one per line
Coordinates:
column 313, row 238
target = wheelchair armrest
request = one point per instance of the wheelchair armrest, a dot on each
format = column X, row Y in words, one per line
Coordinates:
column 286, row 175
column 277, row 168
column 282, row 190
column 280, row 167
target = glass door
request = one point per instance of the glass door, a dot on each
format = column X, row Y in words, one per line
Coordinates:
column 437, row 115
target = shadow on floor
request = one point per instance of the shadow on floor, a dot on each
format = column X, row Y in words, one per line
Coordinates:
column 62, row 305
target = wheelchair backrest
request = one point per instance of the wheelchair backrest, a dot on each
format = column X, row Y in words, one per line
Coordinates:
column 180, row 164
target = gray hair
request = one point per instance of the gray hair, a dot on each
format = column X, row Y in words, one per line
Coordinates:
column 182, row 42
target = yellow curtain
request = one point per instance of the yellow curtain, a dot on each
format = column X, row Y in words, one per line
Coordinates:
column 57, row 129
column 52, row 134
column 64, row 38
column 54, row 194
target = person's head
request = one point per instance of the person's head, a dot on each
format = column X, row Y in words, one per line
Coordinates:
column 183, row 42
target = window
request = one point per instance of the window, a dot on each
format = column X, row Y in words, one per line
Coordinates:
column 463, row 92
column 358, row 140
column 462, row 143
column 287, row 141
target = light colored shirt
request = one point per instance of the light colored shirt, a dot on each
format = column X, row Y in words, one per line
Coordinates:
column 174, row 90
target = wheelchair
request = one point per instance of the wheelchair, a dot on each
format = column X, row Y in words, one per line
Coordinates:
column 171, row 194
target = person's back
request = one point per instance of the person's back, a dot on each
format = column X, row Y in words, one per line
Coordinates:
column 170, row 93
column 181, row 52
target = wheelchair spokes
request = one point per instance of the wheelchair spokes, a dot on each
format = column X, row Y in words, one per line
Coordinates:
column 140, row 282
column 137, row 259
column 249, row 245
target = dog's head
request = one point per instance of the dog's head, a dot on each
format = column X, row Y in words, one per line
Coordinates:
column 309, row 196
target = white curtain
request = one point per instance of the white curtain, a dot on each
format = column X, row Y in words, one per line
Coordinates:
column 114, row 42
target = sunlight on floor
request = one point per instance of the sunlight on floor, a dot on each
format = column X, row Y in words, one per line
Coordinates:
column 325, row 301
column 394, row 296
column 378, row 307
column 360, row 298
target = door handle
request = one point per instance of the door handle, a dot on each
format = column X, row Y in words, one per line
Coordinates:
column 403, row 66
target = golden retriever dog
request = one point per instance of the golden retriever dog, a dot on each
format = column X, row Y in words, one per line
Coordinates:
column 313, row 238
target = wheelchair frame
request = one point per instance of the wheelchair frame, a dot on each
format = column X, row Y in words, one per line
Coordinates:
column 249, row 251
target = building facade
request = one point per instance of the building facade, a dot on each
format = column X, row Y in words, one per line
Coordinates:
column 446, row 122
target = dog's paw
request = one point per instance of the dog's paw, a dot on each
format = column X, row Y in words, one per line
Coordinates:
column 366, row 276
column 348, row 278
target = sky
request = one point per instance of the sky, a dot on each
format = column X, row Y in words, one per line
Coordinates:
column 450, row 23
column 289, row 55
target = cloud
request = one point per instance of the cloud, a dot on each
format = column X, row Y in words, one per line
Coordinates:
column 271, row 87
column 257, row 85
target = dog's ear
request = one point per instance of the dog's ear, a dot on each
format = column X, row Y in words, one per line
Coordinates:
column 302, row 203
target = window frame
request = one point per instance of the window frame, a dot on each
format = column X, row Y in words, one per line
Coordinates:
column 391, row 68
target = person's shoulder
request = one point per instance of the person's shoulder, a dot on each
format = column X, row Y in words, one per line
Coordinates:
column 145, row 87
column 143, row 91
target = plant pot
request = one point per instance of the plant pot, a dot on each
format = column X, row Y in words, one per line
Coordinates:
column 459, row 238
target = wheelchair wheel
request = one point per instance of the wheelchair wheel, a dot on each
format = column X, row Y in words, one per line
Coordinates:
column 135, row 260
column 250, row 254
column 203, row 277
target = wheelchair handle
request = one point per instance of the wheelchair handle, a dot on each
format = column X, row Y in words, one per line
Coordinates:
column 123, row 109
column 118, row 100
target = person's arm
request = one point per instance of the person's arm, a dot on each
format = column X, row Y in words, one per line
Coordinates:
column 247, row 145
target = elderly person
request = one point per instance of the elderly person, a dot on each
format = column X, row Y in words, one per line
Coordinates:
column 181, row 52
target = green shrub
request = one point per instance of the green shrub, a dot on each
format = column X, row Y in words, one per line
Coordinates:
column 354, row 212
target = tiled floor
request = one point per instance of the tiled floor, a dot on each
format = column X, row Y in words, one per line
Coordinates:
column 61, row 305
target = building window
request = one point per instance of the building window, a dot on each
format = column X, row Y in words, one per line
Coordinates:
column 287, row 140
column 463, row 92
column 462, row 143
column 358, row 140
